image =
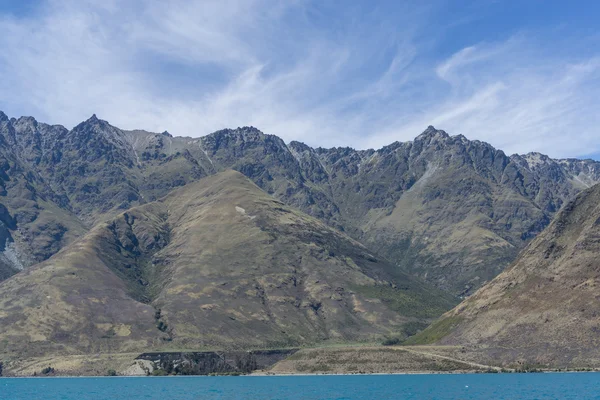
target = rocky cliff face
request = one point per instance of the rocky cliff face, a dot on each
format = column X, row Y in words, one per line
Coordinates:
column 452, row 211
column 36, row 219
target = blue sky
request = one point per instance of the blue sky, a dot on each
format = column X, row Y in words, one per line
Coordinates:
column 522, row 75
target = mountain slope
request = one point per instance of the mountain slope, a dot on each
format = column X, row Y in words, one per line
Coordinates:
column 217, row 263
column 543, row 310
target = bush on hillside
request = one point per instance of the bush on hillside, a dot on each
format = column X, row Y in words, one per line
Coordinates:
column 391, row 341
column 159, row 372
column 48, row 370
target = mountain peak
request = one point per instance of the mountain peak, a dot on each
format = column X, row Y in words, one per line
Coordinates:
column 95, row 122
column 244, row 134
column 93, row 118
column 3, row 117
column 431, row 133
column 91, row 121
column 245, row 130
column 27, row 120
column 25, row 124
column 535, row 159
column 299, row 146
column 239, row 131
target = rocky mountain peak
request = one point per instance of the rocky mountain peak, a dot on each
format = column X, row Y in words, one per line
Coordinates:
column 25, row 123
column 95, row 129
column 299, row 146
column 3, row 117
column 535, row 159
column 248, row 133
column 246, row 136
column 461, row 138
column 92, row 121
column 240, row 133
column 431, row 133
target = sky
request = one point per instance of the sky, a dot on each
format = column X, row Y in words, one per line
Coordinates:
column 522, row 75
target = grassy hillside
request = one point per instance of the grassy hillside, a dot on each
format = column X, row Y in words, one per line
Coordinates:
column 543, row 310
column 215, row 264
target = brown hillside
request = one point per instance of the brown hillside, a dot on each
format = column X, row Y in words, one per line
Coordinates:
column 544, row 309
column 215, row 264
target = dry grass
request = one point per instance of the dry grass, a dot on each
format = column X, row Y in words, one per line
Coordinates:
column 370, row 360
column 543, row 310
column 75, row 365
column 269, row 277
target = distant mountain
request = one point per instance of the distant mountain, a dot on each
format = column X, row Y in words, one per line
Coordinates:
column 543, row 310
column 216, row 264
column 452, row 211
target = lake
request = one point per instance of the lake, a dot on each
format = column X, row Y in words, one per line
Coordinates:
column 439, row 386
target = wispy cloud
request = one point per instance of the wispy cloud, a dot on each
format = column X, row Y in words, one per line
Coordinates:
column 327, row 74
column 503, row 94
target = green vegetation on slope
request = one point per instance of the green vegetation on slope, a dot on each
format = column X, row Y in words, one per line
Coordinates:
column 435, row 332
column 411, row 303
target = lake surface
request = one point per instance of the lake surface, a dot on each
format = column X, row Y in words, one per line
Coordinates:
column 468, row 386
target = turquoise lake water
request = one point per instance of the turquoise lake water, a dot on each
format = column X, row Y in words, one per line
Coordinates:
column 468, row 386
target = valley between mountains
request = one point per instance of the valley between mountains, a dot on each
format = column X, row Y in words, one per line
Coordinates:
column 116, row 242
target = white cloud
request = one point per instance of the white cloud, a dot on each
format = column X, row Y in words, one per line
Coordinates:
column 460, row 58
column 518, row 103
column 267, row 64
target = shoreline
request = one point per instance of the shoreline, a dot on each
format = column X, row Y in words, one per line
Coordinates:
column 292, row 375
column 338, row 361
column 257, row 375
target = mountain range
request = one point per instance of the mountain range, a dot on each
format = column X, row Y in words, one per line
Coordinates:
column 451, row 211
column 116, row 241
